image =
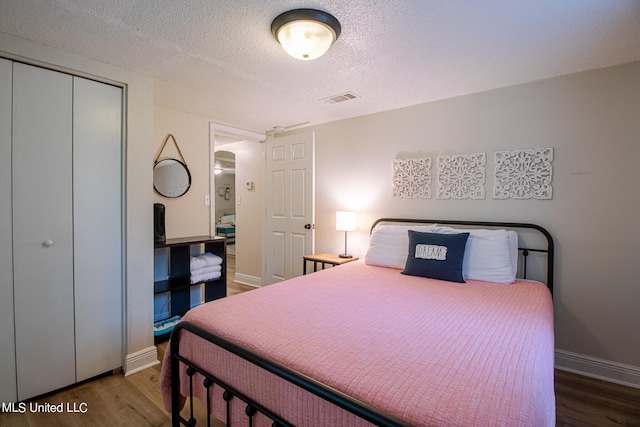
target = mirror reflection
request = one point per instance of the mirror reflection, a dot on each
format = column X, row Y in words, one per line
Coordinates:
column 171, row 178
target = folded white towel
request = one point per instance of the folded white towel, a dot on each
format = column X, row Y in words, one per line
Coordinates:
column 211, row 259
column 205, row 277
column 197, row 263
column 205, row 260
column 206, row 270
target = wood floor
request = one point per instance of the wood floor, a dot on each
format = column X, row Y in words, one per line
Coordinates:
column 582, row 401
column 136, row 400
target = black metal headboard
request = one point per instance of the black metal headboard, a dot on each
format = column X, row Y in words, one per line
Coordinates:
column 549, row 251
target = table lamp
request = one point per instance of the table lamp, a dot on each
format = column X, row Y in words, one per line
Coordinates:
column 345, row 221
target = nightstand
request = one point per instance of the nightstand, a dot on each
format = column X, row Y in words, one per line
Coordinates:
column 324, row 259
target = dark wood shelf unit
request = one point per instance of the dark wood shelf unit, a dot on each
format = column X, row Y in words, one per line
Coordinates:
column 178, row 284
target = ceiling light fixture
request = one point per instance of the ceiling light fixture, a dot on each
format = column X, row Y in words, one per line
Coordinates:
column 306, row 33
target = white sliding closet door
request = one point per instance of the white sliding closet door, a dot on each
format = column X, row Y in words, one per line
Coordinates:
column 7, row 346
column 97, row 217
column 43, row 230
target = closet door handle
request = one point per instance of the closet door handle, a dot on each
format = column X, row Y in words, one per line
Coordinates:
column 47, row 243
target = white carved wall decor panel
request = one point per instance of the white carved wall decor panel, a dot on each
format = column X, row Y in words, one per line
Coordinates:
column 412, row 178
column 461, row 176
column 523, row 174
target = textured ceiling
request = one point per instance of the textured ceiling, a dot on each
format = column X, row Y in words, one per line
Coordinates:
column 218, row 59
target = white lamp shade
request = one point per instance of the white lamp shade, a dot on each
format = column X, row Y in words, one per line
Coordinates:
column 345, row 221
column 306, row 40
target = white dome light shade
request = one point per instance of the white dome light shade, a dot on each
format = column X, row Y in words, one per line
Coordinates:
column 306, row 33
column 305, row 39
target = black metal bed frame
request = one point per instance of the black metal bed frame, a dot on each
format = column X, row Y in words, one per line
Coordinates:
column 549, row 250
column 360, row 409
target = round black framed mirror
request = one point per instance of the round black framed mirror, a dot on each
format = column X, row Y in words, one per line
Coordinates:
column 171, row 178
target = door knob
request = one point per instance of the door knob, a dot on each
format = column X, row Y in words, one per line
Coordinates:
column 307, row 226
column 47, row 243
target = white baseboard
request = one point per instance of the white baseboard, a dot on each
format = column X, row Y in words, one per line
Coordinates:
column 140, row 360
column 248, row 280
column 601, row 369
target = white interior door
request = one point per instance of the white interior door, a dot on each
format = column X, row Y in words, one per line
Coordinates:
column 7, row 332
column 97, row 218
column 289, row 205
column 42, row 230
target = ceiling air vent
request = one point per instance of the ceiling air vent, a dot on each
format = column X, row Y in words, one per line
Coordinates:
column 347, row 96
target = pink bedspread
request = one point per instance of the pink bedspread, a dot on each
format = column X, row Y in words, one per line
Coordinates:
column 430, row 352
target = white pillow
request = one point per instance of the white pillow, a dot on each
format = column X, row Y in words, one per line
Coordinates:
column 389, row 244
column 487, row 256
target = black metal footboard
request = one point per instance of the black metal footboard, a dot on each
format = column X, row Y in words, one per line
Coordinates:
column 360, row 409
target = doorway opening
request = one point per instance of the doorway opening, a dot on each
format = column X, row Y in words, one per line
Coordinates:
column 238, row 151
column 225, row 192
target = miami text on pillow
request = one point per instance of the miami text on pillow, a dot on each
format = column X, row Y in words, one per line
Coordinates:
column 436, row 256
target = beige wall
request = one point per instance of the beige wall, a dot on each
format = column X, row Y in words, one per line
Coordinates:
column 186, row 215
column 591, row 119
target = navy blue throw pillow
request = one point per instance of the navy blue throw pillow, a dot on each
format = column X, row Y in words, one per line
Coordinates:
column 436, row 256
